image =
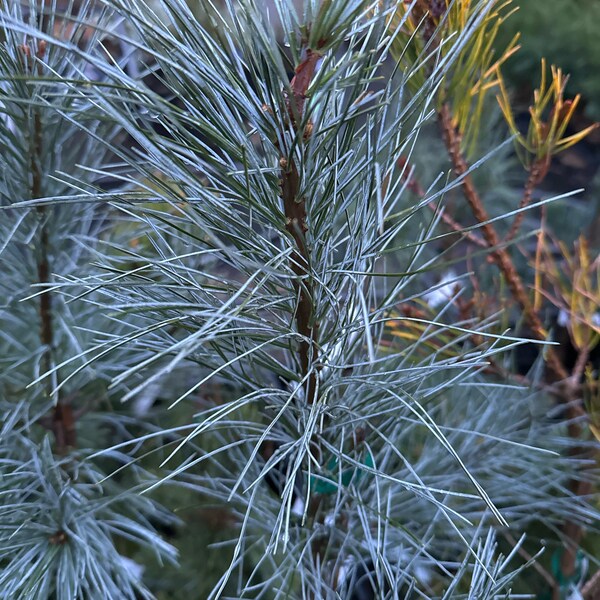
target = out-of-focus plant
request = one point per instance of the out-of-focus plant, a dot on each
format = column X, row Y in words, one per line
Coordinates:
column 573, row 287
column 570, row 280
column 424, row 32
column 550, row 115
column 61, row 522
column 575, row 46
column 459, row 115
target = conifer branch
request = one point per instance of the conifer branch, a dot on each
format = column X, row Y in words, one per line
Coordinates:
column 568, row 393
column 257, row 261
column 499, row 255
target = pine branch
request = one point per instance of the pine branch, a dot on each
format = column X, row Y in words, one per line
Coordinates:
column 499, row 255
column 569, row 391
column 63, row 423
column 60, row 517
column 260, row 246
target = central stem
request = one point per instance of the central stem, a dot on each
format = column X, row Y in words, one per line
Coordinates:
column 294, row 206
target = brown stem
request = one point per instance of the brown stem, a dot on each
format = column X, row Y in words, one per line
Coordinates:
column 63, row 421
column 569, row 388
column 499, row 255
column 456, row 226
column 299, row 85
column 582, row 360
column 536, row 175
column 43, row 266
column 412, row 183
column 296, row 224
column 295, row 213
column 63, row 426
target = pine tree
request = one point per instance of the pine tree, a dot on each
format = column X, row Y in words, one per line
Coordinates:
column 205, row 204
column 60, row 517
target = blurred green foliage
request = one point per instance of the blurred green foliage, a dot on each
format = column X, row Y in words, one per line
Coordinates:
column 566, row 33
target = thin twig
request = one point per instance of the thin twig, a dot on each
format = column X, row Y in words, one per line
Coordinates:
column 456, row 226
column 536, row 174
column 536, row 565
column 582, row 360
column 412, row 183
column 499, row 254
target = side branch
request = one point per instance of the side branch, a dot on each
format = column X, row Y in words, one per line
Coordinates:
column 43, row 267
column 499, row 255
column 537, row 172
column 568, row 391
